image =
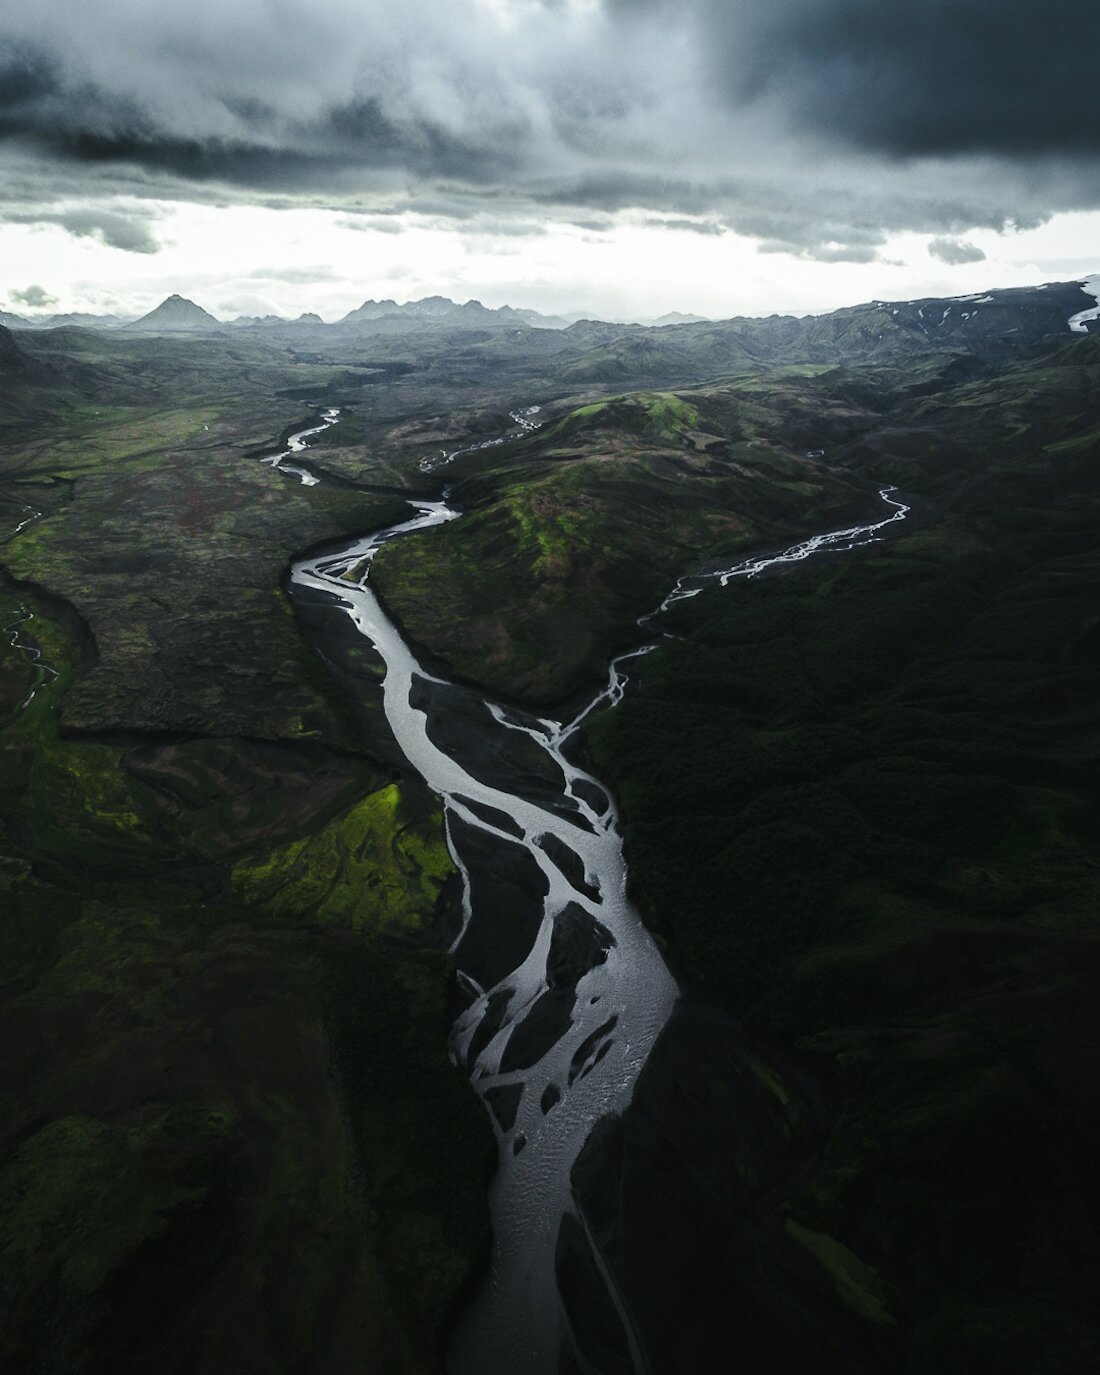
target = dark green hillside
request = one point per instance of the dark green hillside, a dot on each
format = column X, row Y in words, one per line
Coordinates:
column 569, row 538
column 861, row 809
column 231, row 1137
column 230, row 1130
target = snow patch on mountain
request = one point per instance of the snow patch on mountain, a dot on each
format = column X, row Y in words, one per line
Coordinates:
column 1091, row 287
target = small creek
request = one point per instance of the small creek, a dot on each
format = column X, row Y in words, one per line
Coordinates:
column 44, row 672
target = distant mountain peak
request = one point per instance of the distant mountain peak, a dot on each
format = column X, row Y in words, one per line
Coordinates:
column 441, row 310
column 679, row 317
column 176, row 312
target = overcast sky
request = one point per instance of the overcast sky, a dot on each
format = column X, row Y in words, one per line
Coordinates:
column 619, row 157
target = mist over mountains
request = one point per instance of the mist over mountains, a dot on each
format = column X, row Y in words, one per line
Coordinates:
column 178, row 313
column 990, row 327
column 933, row 321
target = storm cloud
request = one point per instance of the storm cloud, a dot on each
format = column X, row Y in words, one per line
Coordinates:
column 955, row 251
column 116, row 231
column 37, row 297
column 932, row 78
column 817, row 126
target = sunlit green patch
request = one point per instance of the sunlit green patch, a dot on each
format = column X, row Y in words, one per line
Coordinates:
column 373, row 868
column 100, row 437
column 669, row 413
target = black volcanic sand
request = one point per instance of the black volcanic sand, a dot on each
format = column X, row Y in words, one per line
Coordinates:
column 504, row 1101
column 489, row 1025
column 493, row 815
column 578, row 943
column 460, row 724
column 349, row 662
column 569, row 862
column 507, row 888
column 173, row 562
column 592, row 1049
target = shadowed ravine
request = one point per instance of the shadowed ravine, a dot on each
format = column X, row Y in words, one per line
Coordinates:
column 567, row 990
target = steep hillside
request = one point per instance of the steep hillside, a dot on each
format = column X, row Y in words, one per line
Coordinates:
column 571, row 536
column 996, row 327
column 861, row 810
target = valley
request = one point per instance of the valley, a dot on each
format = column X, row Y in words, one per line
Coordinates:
column 269, row 867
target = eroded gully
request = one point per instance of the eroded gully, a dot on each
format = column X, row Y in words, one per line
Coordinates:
column 567, row 990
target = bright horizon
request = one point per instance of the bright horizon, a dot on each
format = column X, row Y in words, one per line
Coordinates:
column 609, row 274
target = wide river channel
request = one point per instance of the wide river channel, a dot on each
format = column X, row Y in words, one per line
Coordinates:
column 566, row 990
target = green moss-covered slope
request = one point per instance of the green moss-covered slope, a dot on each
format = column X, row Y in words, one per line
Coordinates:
column 564, row 544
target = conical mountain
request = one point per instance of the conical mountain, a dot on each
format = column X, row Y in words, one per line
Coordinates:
column 176, row 314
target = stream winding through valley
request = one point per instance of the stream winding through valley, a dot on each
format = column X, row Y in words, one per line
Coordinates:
column 567, row 990
column 44, row 672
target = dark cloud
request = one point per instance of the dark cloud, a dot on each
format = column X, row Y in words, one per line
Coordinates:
column 26, row 80
column 817, row 126
column 917, row 77
column 826, row 236
column 48, row 111
column 956, row 251
column 36, row 297
column 823, row 252
column 114, row 230
column 689, row 226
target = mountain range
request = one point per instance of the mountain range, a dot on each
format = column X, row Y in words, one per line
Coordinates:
column 673, row 344
column 179, row 314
